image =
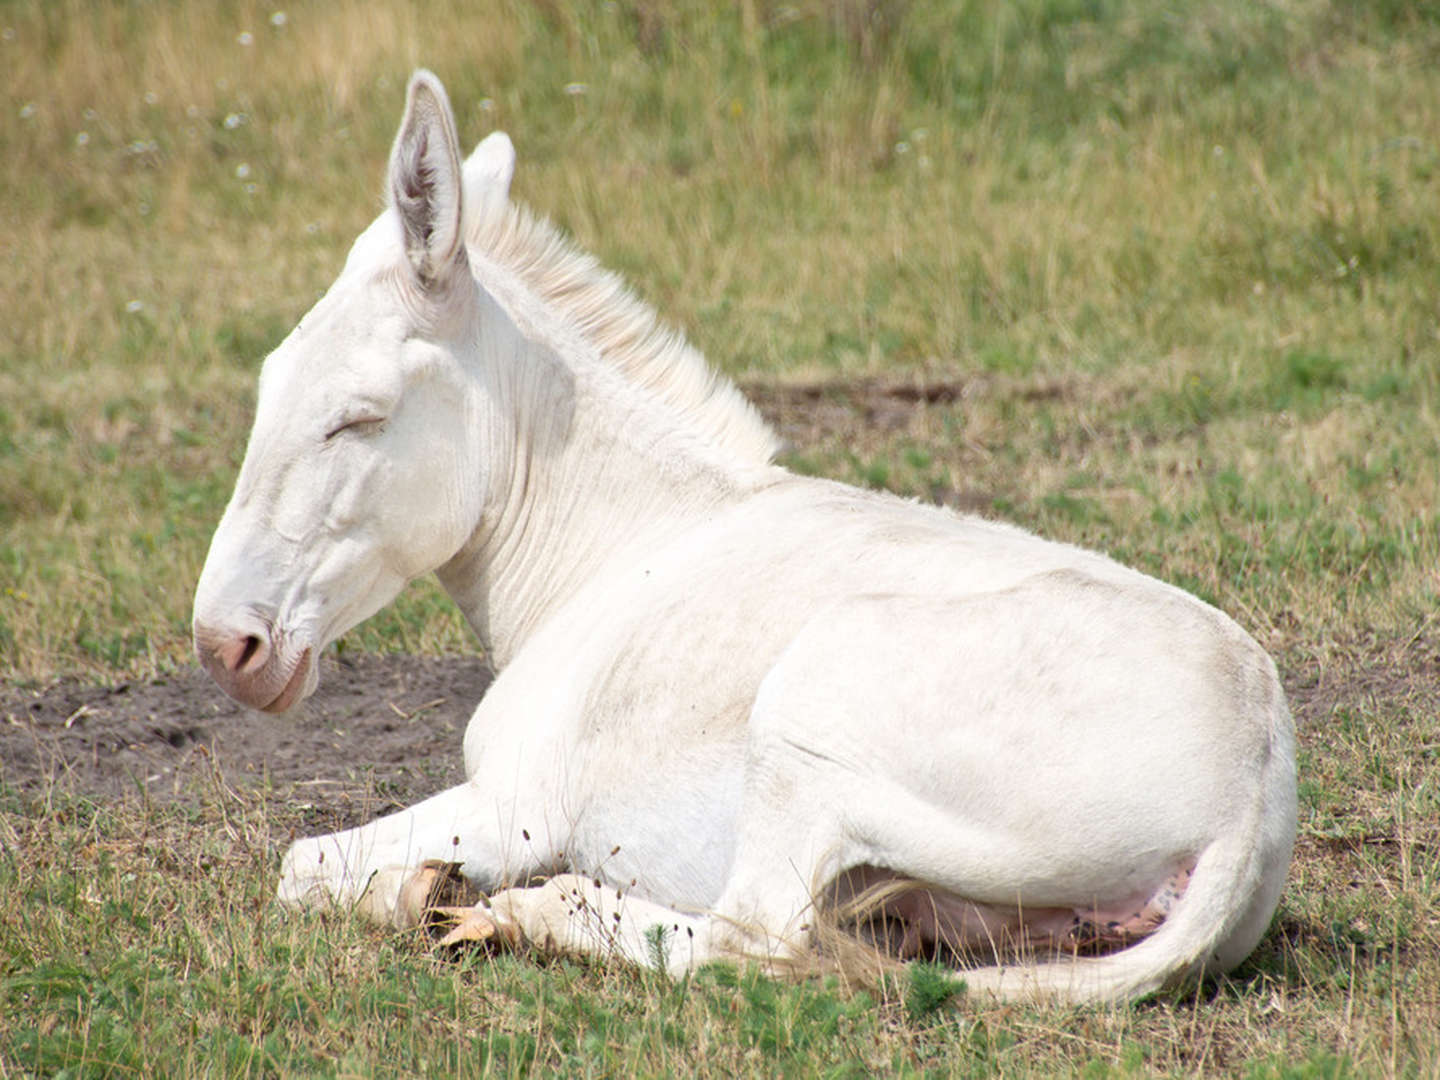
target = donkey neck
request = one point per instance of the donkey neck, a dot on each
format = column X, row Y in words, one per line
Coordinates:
column 591, row 473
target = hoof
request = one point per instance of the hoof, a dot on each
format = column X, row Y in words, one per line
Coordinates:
column 435, row 885
column 473, row 925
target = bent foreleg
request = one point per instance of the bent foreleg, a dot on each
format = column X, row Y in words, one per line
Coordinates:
column 369, row 868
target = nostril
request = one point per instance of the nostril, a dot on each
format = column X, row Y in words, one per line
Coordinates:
column 229, row 656
column 252, row 645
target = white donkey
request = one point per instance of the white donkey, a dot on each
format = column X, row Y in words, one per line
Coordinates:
column 726, row 694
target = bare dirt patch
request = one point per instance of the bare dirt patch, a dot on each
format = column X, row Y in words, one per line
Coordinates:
column 807, row 412
column 381, row 731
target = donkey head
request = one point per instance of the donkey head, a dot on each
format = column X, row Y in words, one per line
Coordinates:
column 367, row 463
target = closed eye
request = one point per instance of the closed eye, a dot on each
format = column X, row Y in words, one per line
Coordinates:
column 359, row 425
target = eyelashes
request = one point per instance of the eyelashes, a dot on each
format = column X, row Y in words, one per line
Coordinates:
column 358, row 425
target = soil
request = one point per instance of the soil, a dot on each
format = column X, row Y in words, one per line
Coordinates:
column 380, row 732
column 805, row 412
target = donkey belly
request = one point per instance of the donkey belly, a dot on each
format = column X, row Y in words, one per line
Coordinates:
column 913, row 918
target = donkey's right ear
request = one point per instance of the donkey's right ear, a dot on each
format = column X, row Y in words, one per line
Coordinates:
column 488, row 172
column 425, row 184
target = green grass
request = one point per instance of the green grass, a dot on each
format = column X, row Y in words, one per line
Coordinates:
column 1182, row 263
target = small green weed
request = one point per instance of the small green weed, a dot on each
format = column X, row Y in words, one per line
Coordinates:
column 930, row 988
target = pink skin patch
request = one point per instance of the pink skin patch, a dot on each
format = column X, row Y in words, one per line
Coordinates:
column 917, row 921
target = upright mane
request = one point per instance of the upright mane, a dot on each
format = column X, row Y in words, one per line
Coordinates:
column 623, row 328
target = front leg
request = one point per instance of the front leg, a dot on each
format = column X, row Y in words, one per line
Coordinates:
column 788, row 848
column 370, row 868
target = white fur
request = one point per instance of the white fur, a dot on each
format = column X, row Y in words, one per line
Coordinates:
column 720, row 685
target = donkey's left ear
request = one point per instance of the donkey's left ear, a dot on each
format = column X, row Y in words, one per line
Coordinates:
column 425, row 181
column 487, row 173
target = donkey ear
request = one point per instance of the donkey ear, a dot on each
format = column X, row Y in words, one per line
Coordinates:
column 488, row 171
column 425, row 184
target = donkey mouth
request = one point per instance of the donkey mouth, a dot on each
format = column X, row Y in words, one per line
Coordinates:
column 294, row 689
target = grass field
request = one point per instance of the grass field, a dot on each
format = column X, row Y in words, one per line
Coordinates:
column 1177, row 267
